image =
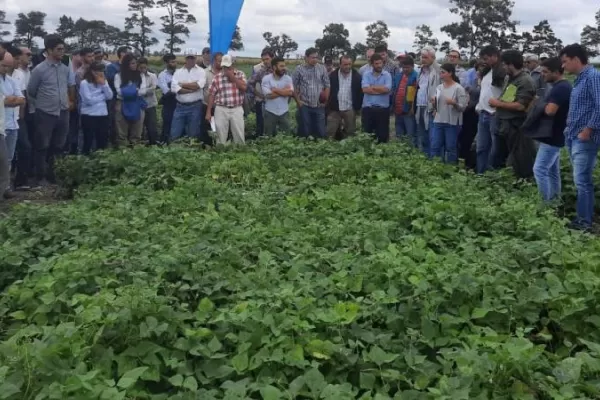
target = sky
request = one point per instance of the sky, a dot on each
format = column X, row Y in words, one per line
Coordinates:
column 304, row 20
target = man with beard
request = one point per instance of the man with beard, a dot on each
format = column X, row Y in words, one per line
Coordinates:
column 388, row 65
column 168, row 98
column 492, row 82
column 204, row 61
column 278, row 88
column 376, row 86
column 511, row 111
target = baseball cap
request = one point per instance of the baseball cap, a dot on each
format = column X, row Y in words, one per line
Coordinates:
column 544, row 55
column 531, row 57
column 226, row 61
column 190, row 53
column 401, row 55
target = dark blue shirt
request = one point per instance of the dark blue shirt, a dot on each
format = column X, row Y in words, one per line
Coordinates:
column 560, row 94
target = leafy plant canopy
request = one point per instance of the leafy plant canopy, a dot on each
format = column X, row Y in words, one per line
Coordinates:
column 293, row 270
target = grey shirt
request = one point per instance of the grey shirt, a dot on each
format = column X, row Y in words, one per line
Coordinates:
column 49, row 86
column 446, row 113
column 310, row 81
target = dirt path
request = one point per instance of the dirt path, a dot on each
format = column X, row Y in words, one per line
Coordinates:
column 45, row 195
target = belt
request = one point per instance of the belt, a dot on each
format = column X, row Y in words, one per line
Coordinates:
column 222, row 105
column 191, row 103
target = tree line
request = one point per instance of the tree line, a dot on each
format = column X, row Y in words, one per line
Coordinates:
column 479, row 23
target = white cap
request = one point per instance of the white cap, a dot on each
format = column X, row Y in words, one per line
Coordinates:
column 531, row 57
column 190, row 52
column 226, row 61
column 544, row 55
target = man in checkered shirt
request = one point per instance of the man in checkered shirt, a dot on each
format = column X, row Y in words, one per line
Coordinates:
column 582, row 134
column 311, row 83
column 227, row 93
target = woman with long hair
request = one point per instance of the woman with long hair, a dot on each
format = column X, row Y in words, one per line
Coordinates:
column 449, row 102
column 94, row 92
column 131, row 87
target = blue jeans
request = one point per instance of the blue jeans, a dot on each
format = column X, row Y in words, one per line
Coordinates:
column 546, row 171
column 486, row 130
column 422, row 132
column 186, row 119
column 583, row 158
column 406, row 125
column 12, row 135
column 313, row 121
column 444, row 142
column 259, row 108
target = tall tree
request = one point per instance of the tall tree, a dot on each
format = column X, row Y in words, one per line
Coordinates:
column 3, row 22
column 424, row 38
column 378, row 33
column 359, row 50
column 280, row 45
column 522, row 42
column 482, row 22
column 590, row 37
column 139, row 27
column 544, row 40
column 174, row 23
column 66, row 27
column 334, row 42
column 30, row 26
column 237, row 42
column 444, row 47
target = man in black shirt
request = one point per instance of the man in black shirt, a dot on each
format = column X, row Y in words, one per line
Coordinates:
column 547, row 162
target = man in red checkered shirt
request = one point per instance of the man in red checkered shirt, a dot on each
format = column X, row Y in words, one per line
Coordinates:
column 227, row 93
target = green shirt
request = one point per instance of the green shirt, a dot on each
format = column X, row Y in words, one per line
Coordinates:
column 519, row 88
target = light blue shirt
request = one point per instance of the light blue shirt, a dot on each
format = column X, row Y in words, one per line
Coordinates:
column 279, row 105
column 93, row 98
column 10, row 87
column 377, row 100
column 164, row 81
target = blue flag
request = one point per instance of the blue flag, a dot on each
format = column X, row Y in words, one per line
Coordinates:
column 223, row 17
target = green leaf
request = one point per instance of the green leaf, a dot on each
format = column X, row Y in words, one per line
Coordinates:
column 176, row 380
column 190, row 383
column 240, row 362
column 19, row 315
column 130, row 377
column 214, row 345
column 380, row 357
column 479, row 313
column 271, row 393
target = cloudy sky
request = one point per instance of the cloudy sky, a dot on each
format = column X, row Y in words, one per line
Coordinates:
column 304, row 20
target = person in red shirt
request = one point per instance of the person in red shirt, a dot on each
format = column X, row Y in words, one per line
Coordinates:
column 404, row 90
column 227, row 93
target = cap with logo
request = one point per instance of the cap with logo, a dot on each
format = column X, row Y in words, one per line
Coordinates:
column 226, row 61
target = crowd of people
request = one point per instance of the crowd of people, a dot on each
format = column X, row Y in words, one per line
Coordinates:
column 506, row 109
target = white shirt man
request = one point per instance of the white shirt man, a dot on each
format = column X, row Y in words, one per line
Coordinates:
column 185, row 75
column 187, row 84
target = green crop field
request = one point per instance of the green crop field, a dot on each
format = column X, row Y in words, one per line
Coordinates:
column 294, row 269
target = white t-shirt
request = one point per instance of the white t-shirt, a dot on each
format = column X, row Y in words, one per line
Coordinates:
column 22, row 78
column 183, row 75
column 488, row 92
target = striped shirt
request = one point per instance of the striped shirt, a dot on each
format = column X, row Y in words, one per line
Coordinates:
column 345, row 92
column 310, row 81
column 225, row 93
column 584, row 109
